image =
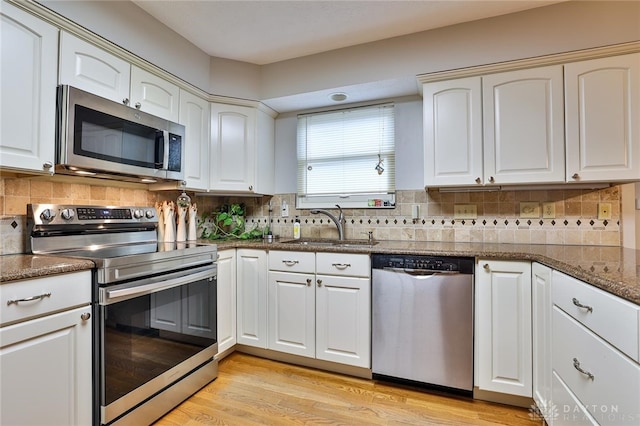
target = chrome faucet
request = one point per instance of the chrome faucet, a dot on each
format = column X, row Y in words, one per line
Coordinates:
column 339, row 221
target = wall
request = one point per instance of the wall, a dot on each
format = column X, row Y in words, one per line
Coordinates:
column 556, row 28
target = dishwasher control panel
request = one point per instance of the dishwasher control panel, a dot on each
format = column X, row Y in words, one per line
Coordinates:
column 462, row 265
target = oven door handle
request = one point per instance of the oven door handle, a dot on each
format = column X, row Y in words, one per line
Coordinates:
column 153, row 285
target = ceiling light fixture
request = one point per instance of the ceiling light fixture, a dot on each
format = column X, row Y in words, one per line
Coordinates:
column 338, row 97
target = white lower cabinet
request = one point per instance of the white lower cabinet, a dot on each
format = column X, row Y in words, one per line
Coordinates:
column 503, row 327
column 252, row 297
column 227, row 336
column 541, row 338
column 319, row 306
column 45, row 357
column 596, row 374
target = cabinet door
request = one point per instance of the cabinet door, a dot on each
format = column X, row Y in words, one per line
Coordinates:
column 46, row 366
column 194, row 115
column 453, row 132
column 503, row 327
column 226, row 299
column 252, row 297
column 232, row 148
column 541, row 336
column 343, row 326
column 154, row 95
column 523, row 120
column 92, row 69
column 292, row 313
column 28, row 73
column 602, row 110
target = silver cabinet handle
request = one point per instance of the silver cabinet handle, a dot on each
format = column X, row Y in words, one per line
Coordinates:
column 580, row 305
column 138, row 105
column 341, row 265
column 47, row 165
column 319, row 283
column 575, row 176
column 28, row 299
column 308, row 282
column 478, row 180
column 85, row 316
column 491, row 179
column 486, row 266
column 125, row 101
column 250, row 187
column 576, row 365
column 290, row 262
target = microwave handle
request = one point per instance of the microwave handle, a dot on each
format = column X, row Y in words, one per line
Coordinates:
column 162, row 150
column 165, row 150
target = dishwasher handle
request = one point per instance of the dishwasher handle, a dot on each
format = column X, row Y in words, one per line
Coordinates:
column 420, row 272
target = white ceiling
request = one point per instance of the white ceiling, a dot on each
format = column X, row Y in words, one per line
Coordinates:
column 267, row 31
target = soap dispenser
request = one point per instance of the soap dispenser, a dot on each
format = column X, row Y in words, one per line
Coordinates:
column 296, row 228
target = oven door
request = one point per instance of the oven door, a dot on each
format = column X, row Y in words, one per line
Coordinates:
column 152, row 334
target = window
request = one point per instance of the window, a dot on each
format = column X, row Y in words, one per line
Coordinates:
column 347, row 157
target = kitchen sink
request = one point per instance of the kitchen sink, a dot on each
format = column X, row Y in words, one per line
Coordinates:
column 331, row 243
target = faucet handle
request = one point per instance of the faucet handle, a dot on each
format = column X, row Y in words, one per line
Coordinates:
column 341, row 215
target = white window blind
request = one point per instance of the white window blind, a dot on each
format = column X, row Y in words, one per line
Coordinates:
column 347, row 153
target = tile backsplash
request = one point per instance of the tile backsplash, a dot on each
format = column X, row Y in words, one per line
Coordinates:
column 498, row 218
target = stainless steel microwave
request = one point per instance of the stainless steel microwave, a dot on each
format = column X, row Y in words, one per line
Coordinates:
column 98, row 137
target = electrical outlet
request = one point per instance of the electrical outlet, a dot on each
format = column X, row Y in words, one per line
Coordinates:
column 549, row 210
column 285, row 209
column 604, row 211
column 415, row 211
column 529, row 209
column 465, row 211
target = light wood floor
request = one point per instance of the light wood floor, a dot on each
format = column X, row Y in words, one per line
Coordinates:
column 256, row 391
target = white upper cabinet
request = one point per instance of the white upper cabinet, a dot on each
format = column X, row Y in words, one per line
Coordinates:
column 92, row 69
column 497, row 129
column 233, row 141
column 28, row 70
column 194, row 115
column 602, row 110
column 153, row 95
column 453, row 132
column 523, row 126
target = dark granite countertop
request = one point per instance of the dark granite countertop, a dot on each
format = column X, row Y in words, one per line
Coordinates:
column 613, row 269
column 24, row 266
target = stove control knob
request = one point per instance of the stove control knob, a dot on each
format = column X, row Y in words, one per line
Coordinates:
column 138, row 214
column 150, row 214
column 67, row 214
column 47, row 215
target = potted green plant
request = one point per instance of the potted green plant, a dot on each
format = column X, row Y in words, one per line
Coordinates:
column 228, row 222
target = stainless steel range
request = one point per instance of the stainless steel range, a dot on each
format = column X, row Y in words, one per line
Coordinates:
column 154, row 303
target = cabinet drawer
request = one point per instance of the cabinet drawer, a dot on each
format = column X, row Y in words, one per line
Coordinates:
column 615, row 384
column 612, row 318
column 47, row 294
column 292, row 261
column 345, row 264
column 568, row 410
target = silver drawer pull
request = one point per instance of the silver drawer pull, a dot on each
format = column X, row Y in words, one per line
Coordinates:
column 580, row 305
column 28, row 299
column 576, row 365
column 341, row 265
column 290, row 262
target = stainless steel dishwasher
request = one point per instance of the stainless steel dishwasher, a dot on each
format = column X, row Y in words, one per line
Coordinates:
column 422, row 320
